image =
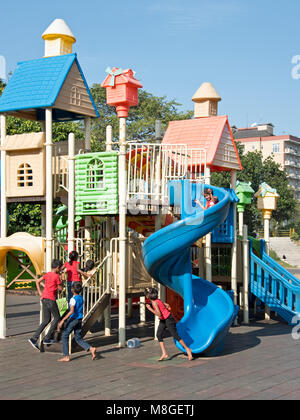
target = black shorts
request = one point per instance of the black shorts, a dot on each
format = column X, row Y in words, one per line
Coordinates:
column 167, row 324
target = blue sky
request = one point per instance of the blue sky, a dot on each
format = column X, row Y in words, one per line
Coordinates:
column 243, row 47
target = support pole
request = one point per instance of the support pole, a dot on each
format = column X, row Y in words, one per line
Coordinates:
column 71, row 194
column 3, row 179
column 142, row 310
column 267, row 233
column 241, row 222
column 208, row 267
column 88, row 219
column 109, row 235
column 267, row 216
column 49, row 189
column 122, row 231
column 161, row 288
column 234, row 246
column 245, row 275
column 3, row 227
column 108, row 142
column 43, row 221
column 87, row 125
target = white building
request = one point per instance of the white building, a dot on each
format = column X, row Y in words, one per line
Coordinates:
column 285, row 149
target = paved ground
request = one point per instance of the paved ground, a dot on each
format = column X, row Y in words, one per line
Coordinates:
column 260, row 361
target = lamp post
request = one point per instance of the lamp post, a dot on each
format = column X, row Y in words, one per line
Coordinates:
column 244, row 192
column 267, row 198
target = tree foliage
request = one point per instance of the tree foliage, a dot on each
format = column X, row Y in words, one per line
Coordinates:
column 140, row 121
column 256, row 170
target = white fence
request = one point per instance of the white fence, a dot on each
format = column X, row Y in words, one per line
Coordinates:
column 151, row 166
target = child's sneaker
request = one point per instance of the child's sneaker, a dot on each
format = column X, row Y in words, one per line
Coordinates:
column 33, row 343
column 48, row 342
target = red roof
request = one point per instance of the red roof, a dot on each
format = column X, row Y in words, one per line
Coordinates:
column 204, row 132
column 127, row 76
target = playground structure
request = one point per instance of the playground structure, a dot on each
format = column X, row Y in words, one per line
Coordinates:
column 131, row 208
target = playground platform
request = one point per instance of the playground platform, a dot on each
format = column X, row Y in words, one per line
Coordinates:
column 260, row 361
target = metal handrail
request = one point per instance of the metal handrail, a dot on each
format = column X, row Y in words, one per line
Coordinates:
column 271, row 287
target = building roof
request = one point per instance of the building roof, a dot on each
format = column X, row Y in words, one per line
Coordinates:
column 118, row 76
column 58, row 28
column 244, row 187
column 250, row 132
column 206, row 91
column 36, row 84
column 205, row 133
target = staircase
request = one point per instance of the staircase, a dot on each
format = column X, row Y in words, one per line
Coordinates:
column 274, row 285
column 285, row 246
column 96, row 294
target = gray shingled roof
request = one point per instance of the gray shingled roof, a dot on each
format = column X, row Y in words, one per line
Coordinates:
column 244, row 134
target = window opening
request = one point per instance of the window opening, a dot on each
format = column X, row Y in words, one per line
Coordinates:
column 25, row 176
column 95, row 176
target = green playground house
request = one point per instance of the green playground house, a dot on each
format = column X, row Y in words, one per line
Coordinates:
column 96, row 180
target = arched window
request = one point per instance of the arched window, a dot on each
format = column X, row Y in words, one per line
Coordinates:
column 25, row 176
column 95, row 175
column 75, row 98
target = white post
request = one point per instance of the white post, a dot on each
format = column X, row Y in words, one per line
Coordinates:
column 245, row 274
column 208, row 267
column 107, row 310
column 108, row 142
column 43, row 220
column 49, row 188
column 241, row 222
column 142, row 310
column 3, row 179
column 267, row 234
column 234, row 246
column 266, row 217
column 122, row 232
column 88, row 219
column 71, row 193
column 3, row 227
column 87, row 125
column 161, row 288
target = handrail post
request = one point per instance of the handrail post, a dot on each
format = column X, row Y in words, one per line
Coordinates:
column 71, row 194
column 245, row 274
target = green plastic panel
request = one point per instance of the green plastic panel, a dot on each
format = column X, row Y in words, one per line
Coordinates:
column 96, row 183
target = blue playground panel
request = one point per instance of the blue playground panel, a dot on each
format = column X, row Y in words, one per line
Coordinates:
column 224, row 233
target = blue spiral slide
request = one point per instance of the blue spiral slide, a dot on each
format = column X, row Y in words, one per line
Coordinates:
column 208, row 310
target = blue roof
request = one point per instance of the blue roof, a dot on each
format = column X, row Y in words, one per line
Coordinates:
column 36, row 84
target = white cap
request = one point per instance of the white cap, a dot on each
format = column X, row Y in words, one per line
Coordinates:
column 58, row 28
column 206, row 91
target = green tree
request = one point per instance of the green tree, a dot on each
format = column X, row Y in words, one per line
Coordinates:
column 256, row 170
column 140, row 121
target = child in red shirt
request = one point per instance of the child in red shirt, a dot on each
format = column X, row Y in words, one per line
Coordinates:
column 211, row 200
column 162, row 310
column 48, row 298
column 73, row 271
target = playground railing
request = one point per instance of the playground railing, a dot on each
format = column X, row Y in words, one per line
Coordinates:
column 281, row 233
column 61, row 174
column 281, row 294
column 196, row 164
column 277, row 267
column 102, row 281
column 151, row 166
